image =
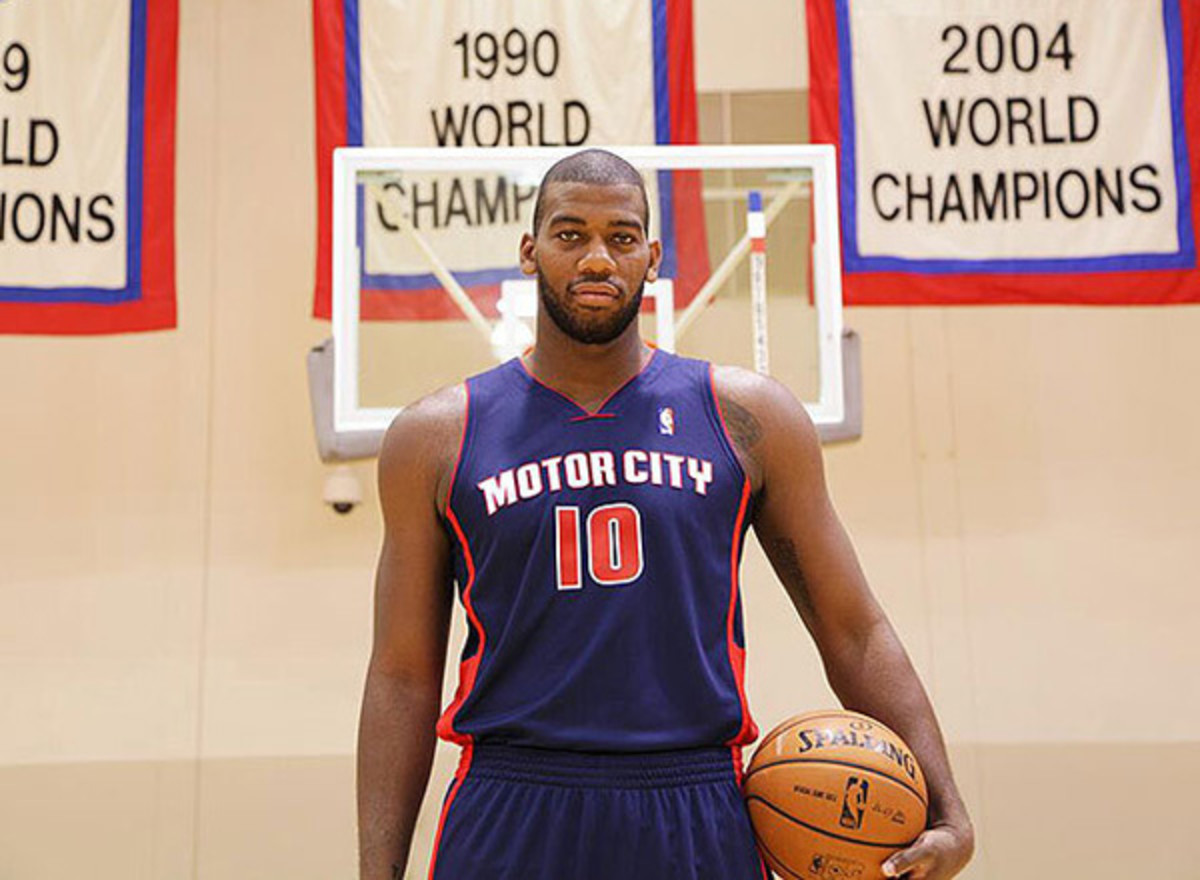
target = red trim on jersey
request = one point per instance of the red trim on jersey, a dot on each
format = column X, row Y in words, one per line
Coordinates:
column 464, row 764
column 748, row 732
column 469, row 668
column 763, row 864
column 735, row 752
column 591, row 414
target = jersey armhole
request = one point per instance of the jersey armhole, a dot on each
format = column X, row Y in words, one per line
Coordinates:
column 463, row 443
column 719, row 426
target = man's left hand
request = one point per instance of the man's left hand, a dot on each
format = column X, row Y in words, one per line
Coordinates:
column 938, row 854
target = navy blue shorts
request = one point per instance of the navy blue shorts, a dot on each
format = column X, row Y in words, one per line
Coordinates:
column 533, row 814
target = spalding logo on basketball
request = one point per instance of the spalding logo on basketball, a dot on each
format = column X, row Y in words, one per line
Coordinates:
column 832, row 794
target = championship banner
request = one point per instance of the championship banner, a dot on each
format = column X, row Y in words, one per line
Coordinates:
column 1016, row 151
column 518, row 73
column 87, row 157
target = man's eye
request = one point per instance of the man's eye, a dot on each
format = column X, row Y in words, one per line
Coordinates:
column 623, row 238
column 568, row 235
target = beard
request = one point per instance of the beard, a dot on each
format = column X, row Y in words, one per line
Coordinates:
column 586, row 327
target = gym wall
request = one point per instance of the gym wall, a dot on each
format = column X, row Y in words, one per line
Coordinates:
column 184, row 627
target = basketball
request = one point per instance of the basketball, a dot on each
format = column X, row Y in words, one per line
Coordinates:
column 832, row 794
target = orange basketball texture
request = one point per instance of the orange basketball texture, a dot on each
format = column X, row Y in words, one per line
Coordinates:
column 832, row 794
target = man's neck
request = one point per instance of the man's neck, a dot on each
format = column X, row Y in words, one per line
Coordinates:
column 588, row 374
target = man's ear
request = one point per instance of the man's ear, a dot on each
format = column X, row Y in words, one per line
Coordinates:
column 528, row 258
column 655, row 260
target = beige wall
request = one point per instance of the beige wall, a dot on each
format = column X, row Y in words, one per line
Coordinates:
column 763, row 47
column 184, row 626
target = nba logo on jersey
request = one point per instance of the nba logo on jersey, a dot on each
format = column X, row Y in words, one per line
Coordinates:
column 666, row 421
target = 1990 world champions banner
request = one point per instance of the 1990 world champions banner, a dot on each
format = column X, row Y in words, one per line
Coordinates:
column 515, row 73
column 1012, row 152
column 87, row 156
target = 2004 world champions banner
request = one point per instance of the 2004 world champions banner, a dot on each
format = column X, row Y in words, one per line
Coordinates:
column 87, row 155
column 505, row 73
column 1014, row 151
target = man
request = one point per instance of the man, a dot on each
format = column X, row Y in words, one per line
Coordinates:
column 591, row 500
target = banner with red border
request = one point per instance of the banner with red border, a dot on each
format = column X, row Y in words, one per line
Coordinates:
column 510, row 74
column 87, row 146
column 1012, row 152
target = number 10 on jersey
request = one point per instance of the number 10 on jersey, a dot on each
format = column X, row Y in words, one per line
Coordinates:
column 611, row 539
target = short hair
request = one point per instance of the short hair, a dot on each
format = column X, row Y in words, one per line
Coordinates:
column 594, row 166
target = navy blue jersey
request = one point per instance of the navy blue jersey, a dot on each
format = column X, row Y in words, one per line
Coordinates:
column 597, row 558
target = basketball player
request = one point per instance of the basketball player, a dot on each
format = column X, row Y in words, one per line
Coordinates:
column 591, row 501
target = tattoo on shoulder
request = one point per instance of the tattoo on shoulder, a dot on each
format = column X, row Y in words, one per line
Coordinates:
column 783, row 555
column 744, row 428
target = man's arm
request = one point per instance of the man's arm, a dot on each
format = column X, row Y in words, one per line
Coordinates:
column 810, row 551
column 413, row 590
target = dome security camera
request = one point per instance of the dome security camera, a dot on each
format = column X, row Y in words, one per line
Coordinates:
column 342, row 490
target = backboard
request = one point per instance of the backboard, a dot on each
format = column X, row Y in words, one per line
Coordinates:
column 426, row 286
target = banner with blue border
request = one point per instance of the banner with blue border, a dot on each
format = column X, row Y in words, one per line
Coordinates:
column 519, row 76
column 86, row 205
column 1013, row 152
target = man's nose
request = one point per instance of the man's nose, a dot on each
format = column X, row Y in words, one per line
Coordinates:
column 597, row 260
